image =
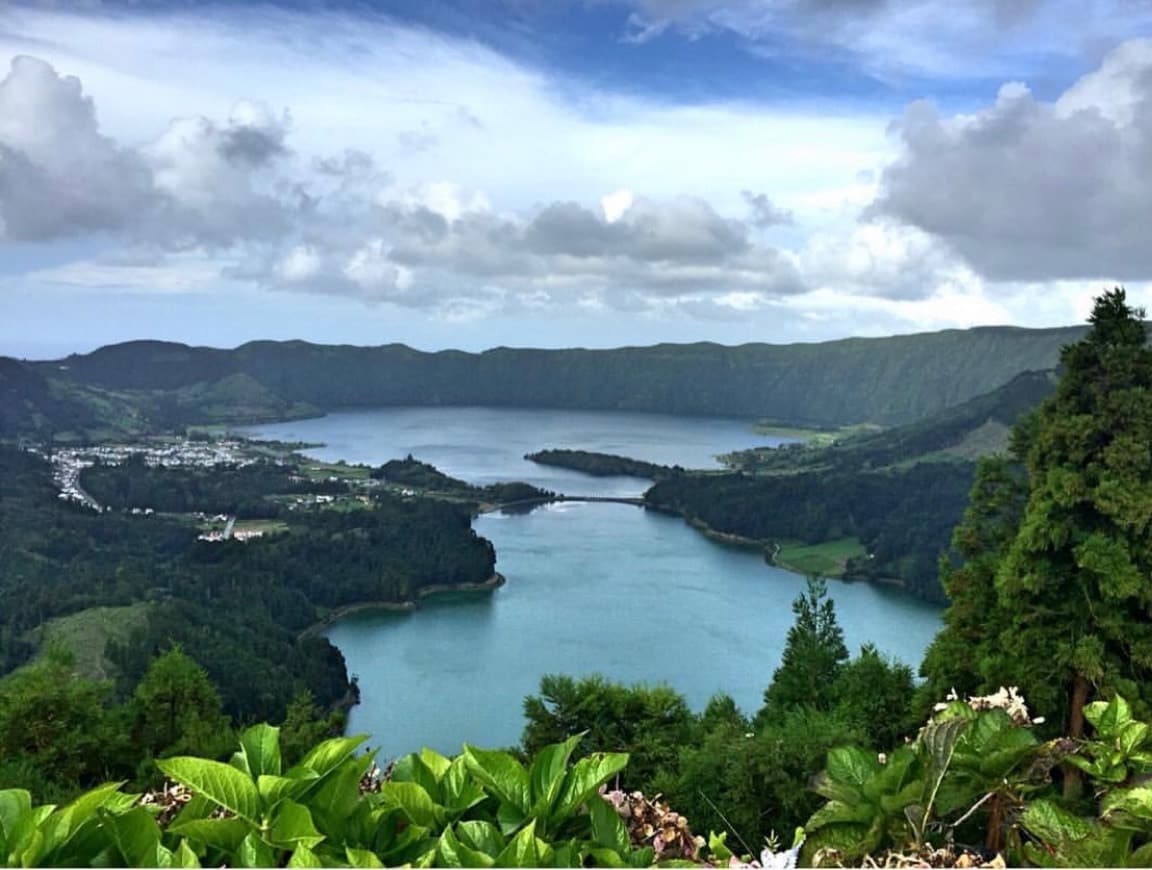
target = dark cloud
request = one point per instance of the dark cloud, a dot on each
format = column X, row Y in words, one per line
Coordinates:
column 1029, row 190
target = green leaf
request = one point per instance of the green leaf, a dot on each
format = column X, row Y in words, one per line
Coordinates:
column 851, row 766
column 523, row 850
column 607, row 827
column 450, row 852
column 260, row 750
column 1134, row 802
column 362, row 858
column 411, row 768
column 1132, row 736
column 413, row 802
column 61, row 826
column 718, row 847
column 184, row 856
column 602, row 856
column 583, row 780
column 221, row 783
column 1107, row 718
column 274, row 788
column 502, row 775
column 458, row 789
column 327, row 756
column 223, row 834
column 15, row 808
column 838, row 812
column 435, row 762
column 482, row 836
column 291, row 827
column 336, row 799
column 304, row 857
column 546, row 775
column 135, row 836
column 254, row 852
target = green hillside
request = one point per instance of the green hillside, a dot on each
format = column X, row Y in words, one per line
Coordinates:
column 888, row 381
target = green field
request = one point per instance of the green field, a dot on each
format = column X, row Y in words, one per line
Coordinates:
column 826, row 559
column 85, row 634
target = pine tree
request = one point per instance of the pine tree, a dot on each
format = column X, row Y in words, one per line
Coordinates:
column 1066, row 594
column 1076, row 583
column 813, row 655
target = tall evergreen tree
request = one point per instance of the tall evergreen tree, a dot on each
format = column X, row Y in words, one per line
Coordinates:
column 1068, row 595
column 1076, row 584
column 813, row 655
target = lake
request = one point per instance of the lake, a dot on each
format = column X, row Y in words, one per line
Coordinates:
column 592, row 587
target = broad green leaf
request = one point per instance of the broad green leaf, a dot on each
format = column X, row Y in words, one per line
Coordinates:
column 837, row 812
column 583, row 780
column 1107, row 718
column 223, row 834
column 1132, row 736
column 184, row 856
column 135, row 836
column 254, row 852
column 335, row 801
column 291, row 827
column 605, row 857
column 509, row 818
column 458, row 789
column 546, row 775
column 15, row 807
column 304, row 857
column 274, row 788
column 607, row 827
column 1134, row 802
column 450, row 852
column 435, row 762
column 851, row 766
column 59, row 828
column 260, row 750
column 362, row 858
column 411, row 768
column 218, row 782
column 502, row 775
column 413, row 802
column 328, row 755
column 524, row 850
column 482, row 836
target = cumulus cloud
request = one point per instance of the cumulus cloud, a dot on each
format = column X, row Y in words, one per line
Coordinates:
column 1031, row 190
column 59, row 175
column 234, row 190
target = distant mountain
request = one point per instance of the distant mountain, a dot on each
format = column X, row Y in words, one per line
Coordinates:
column 30, row 405
column 887, row 381
column 975, row 428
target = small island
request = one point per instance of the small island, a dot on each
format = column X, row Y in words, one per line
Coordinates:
column 602, row 464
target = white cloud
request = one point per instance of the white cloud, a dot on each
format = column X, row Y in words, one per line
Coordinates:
column 1031, row 190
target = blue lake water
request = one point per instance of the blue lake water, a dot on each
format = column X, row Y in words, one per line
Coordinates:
column 592, row 587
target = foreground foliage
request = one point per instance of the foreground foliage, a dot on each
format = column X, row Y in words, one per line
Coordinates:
column 334, row 808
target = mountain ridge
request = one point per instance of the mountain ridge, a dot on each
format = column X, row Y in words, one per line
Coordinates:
column 887, row 381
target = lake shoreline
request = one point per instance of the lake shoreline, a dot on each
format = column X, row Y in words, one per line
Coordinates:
column 407, row 606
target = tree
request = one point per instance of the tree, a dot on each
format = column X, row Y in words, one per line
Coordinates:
column 1075, row 583
column 177, row 710
column 875, row 694
column 1068, row 586
column 813, row 655
column 961, row 657
column 54, row 723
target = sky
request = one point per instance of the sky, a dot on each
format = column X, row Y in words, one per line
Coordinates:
column 553, row 173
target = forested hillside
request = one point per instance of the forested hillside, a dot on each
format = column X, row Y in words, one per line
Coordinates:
column 887, row 381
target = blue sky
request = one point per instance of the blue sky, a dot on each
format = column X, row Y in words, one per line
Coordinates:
column 543, row 172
